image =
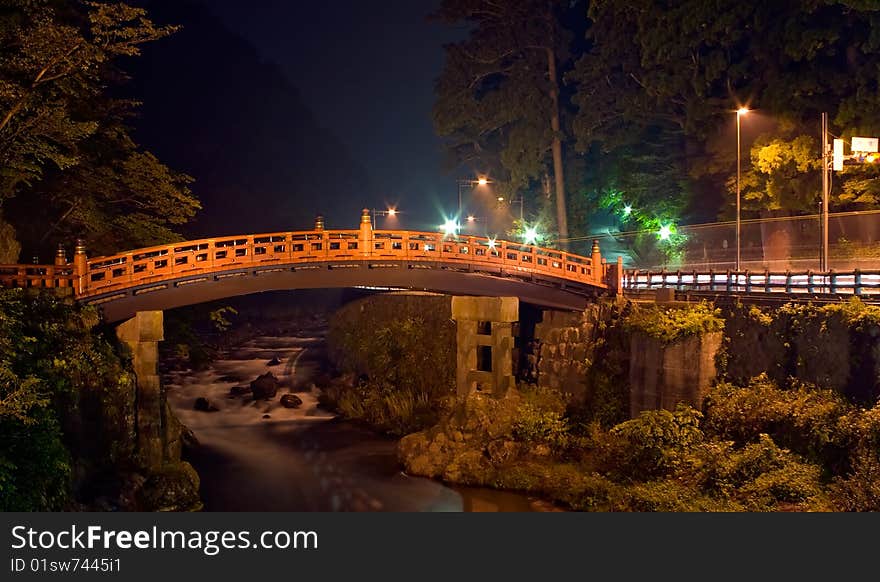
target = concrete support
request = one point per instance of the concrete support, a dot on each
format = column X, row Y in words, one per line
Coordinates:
column 142, row 335
column 484, row 334
column 662, row 375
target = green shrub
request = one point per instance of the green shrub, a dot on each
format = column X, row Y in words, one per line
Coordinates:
column 536, row 426
column 394, row 411
column 651, row 445
column 805, row 420
column 669, row 324
column 860, row 490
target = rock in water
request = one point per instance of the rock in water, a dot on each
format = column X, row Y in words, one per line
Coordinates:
column 204, row 405
column 274, row 361
column 239, row 390
column 291, row 401
column 265, row 386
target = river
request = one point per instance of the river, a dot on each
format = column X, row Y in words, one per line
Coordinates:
column 260, row 456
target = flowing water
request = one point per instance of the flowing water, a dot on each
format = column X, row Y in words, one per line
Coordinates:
column 261, row 456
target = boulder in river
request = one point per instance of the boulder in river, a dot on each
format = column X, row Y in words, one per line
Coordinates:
column 204, row 405
column 274, row 361
column 239, row 390
column 265, row 386
column 291, row 401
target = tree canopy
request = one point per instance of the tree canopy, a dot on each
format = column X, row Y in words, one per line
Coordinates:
column 650, row 94
column 68, row 164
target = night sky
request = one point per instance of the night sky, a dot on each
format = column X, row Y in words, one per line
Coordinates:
column 365, row 74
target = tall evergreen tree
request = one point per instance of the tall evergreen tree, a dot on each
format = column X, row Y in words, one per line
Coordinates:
column 498, row 97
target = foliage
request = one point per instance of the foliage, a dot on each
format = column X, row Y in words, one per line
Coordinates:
column 860, row 490
column 64, row 140
column 830, row 345
column 395, row 411
column 650, row 445
column 10, row 248
column 66, row 401
column 669, row 324
column 536, row 426
column 219, row 320
column 404, row 355
column 497, row 96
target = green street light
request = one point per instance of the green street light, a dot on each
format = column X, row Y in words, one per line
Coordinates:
column 665, row 232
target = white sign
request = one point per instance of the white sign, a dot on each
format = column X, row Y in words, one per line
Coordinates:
column 837, row 158
column 864, row 144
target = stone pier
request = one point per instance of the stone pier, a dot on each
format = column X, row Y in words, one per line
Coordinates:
column 142, row 335
column 484, row 333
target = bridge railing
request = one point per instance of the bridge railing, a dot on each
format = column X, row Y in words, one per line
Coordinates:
column 221, row 256
column 855, row 282
column 36, row 276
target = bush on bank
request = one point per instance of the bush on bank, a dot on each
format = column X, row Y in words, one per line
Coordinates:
column 398, row 352
column 68, row 430
column 756, row 448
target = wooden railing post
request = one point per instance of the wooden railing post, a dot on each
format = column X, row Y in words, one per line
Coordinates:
column 80, row 267
column 60, row 262
column 596, row 262
column 365, row 238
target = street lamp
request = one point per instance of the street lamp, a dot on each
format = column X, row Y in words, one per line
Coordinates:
column 472, row 223
column 392, row 212
column 739, row 113
column 481, row 181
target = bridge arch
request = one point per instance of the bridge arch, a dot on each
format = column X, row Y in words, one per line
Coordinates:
column 185, row 273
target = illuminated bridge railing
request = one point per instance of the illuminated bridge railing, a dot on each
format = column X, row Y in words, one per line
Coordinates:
column 227, row 256
column 862, row 283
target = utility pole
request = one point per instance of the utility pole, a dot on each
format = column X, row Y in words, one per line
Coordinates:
column 826, row 187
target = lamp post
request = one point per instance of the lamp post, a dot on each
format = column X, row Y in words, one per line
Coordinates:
column 481, row 181
column 739, row 113
column 390, row 212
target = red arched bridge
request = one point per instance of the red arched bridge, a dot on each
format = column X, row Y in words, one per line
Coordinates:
column 184, row 273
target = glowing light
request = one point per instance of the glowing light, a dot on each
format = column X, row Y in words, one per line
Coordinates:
column 627, row 210
column 665, row 232
column 471, row 218
column 392, row 212
column 871, row 158
column 492, row 243
column 501, row 199
column 742, row 111
column 531, row 235
column 450, row 227
column 482, row 181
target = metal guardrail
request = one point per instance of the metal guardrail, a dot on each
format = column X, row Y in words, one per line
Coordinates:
column 857, row 282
